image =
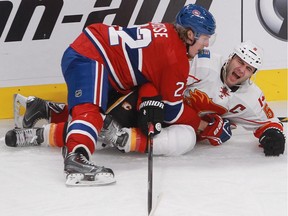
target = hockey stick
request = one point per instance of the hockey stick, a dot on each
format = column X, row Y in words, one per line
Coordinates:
column 150, row 164
column 156, row 203
column 283, row 119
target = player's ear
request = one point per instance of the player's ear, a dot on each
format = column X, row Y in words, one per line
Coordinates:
column 190, row 36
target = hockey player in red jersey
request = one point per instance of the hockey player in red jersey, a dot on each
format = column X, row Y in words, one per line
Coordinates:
column 105, row 58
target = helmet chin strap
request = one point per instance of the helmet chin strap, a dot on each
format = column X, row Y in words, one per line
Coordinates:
column 224, row 73
column 194, row 41
column 190, row 33
column 189, row 45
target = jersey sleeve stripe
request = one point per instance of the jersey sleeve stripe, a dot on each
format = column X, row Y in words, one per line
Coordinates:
column 98, row 45
column 133, row 58
column 135, row 73
column 173, row 111
column 140, row 59
column 132, row 74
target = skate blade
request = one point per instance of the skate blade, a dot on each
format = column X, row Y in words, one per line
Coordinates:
column 78, row 179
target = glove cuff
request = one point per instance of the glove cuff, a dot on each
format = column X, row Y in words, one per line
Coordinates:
column 151, row 102
column 262, row 129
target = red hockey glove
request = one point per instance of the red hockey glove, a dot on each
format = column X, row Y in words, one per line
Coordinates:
column 218, row 130
column 273, row 142
column 151, row 109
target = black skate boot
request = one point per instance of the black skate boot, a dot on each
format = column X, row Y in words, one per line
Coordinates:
column 24, row 137
column 37, row 108
column 112, row 134
column 82, row 172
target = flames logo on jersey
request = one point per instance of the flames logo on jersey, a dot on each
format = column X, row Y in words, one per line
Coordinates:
column 202, row 103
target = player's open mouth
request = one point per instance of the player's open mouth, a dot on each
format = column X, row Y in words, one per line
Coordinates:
column 235, row 75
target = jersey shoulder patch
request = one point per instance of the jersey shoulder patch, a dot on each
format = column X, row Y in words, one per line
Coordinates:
column 205, row 53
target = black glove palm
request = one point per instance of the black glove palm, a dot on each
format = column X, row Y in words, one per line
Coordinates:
column 151, row 110
column 273, row 142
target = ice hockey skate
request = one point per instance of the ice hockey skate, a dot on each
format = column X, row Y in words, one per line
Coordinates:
column 24, row 137
column 112, row 134
column 82, row 172
column 35, row 110
column 19, row 105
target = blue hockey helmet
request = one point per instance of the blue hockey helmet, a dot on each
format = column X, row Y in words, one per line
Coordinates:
column 200, row 20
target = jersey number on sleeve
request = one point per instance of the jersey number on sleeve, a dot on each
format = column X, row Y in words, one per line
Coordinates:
column 268, row 111
column 179, row 91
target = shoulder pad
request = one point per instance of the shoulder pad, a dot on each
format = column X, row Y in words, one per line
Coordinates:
column 205, row 53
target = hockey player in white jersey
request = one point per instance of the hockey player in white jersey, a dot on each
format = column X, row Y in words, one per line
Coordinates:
column 225, row 88
column 215, row 88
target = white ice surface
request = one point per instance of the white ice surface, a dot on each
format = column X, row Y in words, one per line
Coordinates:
column 234, row 179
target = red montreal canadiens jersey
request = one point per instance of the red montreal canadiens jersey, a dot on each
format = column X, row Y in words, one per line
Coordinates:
column 137, row 55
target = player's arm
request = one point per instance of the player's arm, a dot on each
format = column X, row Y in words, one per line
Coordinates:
column 270, row 134
column 211, row 127
column 256, row 115
column 150, row 107
column 137, row 108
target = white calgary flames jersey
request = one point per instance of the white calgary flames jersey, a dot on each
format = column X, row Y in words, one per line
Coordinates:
column 207, row 93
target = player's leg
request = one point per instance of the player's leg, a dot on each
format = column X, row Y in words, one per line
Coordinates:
column 87, row 83
column 166, row 143
column 121, row 111
column 37, row 109
column 48, row 135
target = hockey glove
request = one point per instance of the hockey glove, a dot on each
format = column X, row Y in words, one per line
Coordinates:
column 273, row 142
column 151, row 110
column 218, row 130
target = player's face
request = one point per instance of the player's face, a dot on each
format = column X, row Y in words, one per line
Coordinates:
column 200, row 43
column 206, row 40
column 238, row 71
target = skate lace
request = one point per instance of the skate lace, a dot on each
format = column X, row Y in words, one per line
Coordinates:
column 56, row 107
column 26, row 137
column 84, row 160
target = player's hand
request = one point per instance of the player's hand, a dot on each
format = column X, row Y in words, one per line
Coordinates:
column 218, row 130
column 273, row 142
column 151, row 110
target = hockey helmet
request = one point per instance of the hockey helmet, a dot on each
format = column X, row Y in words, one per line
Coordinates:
column 200, row 20
column 250, row 53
